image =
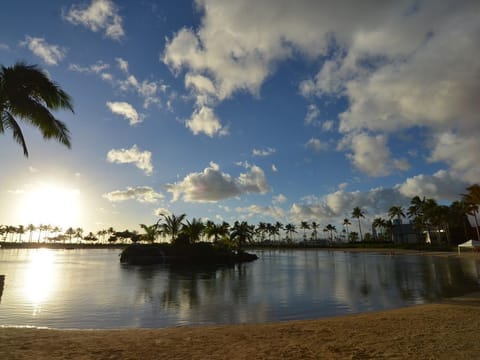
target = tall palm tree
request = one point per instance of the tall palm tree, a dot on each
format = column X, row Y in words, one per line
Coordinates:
column 397, row 212
column 358, row 213
column 28, row 93
column 472, row 198
column 330, row 229
column 30, row 228
column 315, row 227
column 305, row 226
column 290, row 229
column 346, row 223
column 379, row 223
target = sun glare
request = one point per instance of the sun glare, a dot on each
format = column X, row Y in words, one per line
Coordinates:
column 39, row 278
column 51, row 204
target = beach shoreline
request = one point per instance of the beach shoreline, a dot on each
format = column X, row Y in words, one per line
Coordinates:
column 444, row 330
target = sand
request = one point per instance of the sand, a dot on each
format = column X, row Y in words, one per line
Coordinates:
column 446, row 330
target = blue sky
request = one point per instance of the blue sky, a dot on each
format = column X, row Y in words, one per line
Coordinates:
column 257, row 110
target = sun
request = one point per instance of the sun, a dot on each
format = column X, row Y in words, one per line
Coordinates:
column 51, row 204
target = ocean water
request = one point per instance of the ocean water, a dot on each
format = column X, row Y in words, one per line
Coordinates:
column 90, row 289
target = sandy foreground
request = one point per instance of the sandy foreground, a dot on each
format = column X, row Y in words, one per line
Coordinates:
column 446, row 330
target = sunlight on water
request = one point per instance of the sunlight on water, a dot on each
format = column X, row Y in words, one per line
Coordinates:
column 39, row 278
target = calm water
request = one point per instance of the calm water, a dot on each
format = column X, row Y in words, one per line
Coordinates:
column 91, row 289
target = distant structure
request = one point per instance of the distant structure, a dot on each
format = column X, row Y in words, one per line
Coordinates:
column 404, row 233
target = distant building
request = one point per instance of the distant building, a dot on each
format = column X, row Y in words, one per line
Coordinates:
column 404, row 233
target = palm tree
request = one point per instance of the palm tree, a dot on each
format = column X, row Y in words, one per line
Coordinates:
column 346, row 223
column 241, row 233
column 79, row 233
column 305, row 226
column 193, row 230
column 27, row 92
column 358, row 213
column 290, row 229
column 330, row 229
column 30, row 228
column 472, row 198
column 397, row 212
column 150, row 232
column 315, row 227
column 379, row 223
column 70, row 232
column 216, row 230
column 172, row 225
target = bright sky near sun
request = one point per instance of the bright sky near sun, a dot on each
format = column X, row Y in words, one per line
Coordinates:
column 257, row 110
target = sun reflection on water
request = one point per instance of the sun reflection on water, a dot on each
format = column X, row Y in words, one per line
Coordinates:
column 39, row 278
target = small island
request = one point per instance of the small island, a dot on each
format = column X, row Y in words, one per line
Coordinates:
column 185, row 249
column 201, row 253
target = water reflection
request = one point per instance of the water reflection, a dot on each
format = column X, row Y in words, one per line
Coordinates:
column 98, row 292
column 39, row 281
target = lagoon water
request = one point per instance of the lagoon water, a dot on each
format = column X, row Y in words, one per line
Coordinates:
column 90, row 289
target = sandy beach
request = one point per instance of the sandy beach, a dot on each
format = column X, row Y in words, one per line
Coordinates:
column 446, row 330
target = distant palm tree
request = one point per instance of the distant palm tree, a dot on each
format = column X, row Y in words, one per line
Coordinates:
column 70, row 233
column 30, row 228
column 379, row 223
column 27, row 92
column 472, row 199
column 315, row 227
column 330, row 229
column 346, row 223
column 305, row 226
column 290, row 229
column 398, row 213
column 358, row 213
column 79, row 233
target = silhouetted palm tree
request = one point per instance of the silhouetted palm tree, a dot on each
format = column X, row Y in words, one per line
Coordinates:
column 397, row 212
column 305, row 226
column 150, row 232
column 241, row 233
column 472, row 199
column 26, row 92
column 346, row 223
column 358, row 213
column 193, row 230
column 172, row 225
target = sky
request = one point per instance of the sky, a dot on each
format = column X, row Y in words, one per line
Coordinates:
column 255, row 110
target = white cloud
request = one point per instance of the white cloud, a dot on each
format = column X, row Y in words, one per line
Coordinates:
column 4, row 47
column 126, row 110
column 279, row 199
column 205, row 121
column 398, row 65
column 263, row 152
column 141, row 159
column 371, row 155
column 313, row 113
column 122, row 64
column 441, row 185
column 315, row 145
column 274, row 168
column 51, row 54
column 100, row 15
column 97, row 68
column 269, row 211
column 143, row 194
column 213, row 185
column 162, row 211
column 339, row 205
